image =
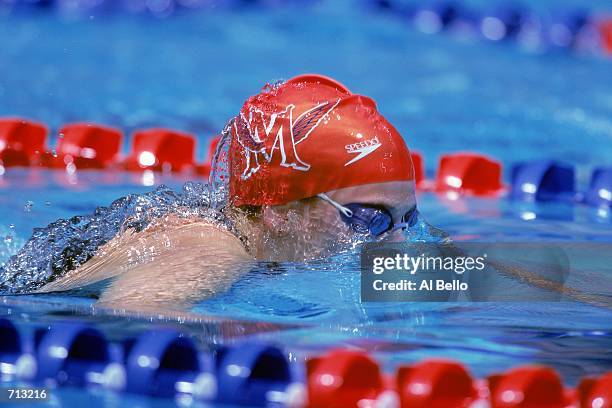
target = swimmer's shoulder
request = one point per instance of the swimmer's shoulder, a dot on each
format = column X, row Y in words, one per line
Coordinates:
column 160, row 243
column 203, row 233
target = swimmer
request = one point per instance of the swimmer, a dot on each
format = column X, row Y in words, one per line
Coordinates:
column 305, row 170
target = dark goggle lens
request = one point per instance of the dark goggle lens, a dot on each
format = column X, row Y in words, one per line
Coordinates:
column 375, row 220
column 366, row 219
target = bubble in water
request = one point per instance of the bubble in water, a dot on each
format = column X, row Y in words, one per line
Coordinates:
column 48, row 203
column 219, row 174
column 28, row 206
column 8, row 239
column 12, row 226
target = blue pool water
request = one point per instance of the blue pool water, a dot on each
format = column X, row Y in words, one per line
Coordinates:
column 193, row 71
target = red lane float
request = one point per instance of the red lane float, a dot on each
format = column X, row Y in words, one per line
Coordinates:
column 86, row 146
column 161, row 149
column 593, row 392
column 528, row 387
column 469, row 173
column 605, row 31
column 204, row 168
column 342, row 379
column 435, row 384
column 21, row 141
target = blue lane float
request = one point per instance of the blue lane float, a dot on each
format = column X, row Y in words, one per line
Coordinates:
column 164, row 364
column 256, row 375
column 433, row 17
column 10, row 348
column 502, row 23
column 159, row 9
column 600, row 188
column 160, row 363
column 571, row 29
column 15, row 361
column 543, row 180
column 29, row 5
column 75, row 354
column 568, row 27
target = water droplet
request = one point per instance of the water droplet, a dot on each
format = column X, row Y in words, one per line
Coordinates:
column 28, row 206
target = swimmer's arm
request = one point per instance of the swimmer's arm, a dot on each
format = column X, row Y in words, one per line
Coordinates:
column 171, row 265
column 534, row 276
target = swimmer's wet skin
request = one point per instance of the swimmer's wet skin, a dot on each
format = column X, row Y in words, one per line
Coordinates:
column 310, row 169
column 305, row 170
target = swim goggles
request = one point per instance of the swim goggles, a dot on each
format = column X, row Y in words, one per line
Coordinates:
column 370, row 218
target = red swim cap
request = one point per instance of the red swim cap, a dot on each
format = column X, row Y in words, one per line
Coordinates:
column 307, row 136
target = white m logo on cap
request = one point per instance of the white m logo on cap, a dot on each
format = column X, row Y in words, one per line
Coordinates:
column 252, row 132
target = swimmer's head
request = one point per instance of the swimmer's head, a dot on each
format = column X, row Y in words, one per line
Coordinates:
column 307, row 155
column 307, row 136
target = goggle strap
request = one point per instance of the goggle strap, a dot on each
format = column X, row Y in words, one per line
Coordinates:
column 400, row 225
column 347, row 212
